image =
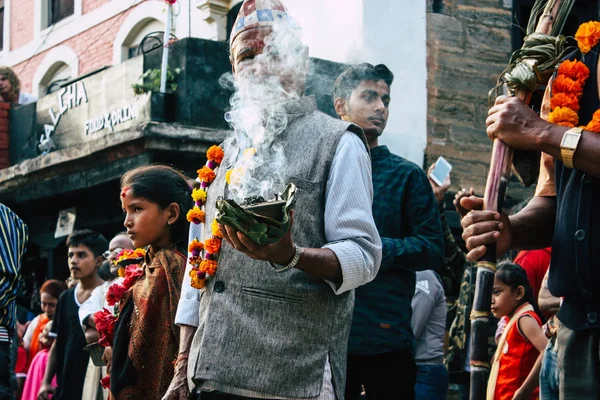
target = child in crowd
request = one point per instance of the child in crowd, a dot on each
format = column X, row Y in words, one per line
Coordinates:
column 516, row 365
column 155, row 200
column 37, row 367
column 67, row 358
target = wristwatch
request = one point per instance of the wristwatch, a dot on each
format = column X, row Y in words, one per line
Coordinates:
column 568, row 145
column 292, row 264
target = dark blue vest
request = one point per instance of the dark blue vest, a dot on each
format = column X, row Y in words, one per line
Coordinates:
column 575, row 267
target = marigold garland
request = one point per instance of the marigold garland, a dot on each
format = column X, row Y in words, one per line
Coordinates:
column 567, row 87
column 204, row 266
column 207, row 265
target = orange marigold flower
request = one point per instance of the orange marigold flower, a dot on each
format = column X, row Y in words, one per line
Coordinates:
column 575, row 70
column 215, row 153
column 212, row 245
column 195, row 246
column 563, row 116
column 206, row 174
column 208, row 267
column 196, row 215
column 563, row 84
column 196, row 281
column 588, row 36
column 564, row 100
column 594, row 124
column 121, row 272
column 216, row 232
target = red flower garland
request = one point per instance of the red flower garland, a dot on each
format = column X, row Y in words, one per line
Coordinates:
column 105, row 320
column 105, row 325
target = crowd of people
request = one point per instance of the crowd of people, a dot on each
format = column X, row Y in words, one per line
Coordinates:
column 366, row 295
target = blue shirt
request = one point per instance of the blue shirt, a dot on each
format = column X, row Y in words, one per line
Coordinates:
column 408, row 221
column 13, row 241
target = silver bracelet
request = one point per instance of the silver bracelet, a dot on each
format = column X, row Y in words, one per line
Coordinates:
column 292, row 263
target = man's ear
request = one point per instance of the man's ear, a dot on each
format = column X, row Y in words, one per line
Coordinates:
column 340, row 107
column 174, row 212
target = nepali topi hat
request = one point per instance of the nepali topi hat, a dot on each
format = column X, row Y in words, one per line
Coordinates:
column 262, row 13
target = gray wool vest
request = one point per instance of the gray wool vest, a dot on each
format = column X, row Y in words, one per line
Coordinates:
column 271, row 332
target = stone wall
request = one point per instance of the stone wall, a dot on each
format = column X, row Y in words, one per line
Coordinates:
column 468, row 44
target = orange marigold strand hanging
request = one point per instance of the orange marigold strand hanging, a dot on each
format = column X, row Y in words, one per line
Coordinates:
column 201, row 267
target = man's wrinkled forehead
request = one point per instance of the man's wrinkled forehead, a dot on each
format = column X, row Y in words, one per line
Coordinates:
column 250, row 40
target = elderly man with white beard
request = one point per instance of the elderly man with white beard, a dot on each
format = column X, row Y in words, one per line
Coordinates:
column 253, row 331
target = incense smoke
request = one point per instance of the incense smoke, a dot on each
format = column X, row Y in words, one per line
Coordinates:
column 257, row 115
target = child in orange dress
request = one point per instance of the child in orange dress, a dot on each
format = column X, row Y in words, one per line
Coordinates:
column 516, row 365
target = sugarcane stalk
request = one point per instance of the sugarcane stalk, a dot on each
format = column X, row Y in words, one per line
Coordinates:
column 497, row 181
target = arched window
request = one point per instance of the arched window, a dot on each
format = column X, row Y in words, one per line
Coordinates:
column 56, row 75
column 144, row 28
column 146, row 18
column 60, row 65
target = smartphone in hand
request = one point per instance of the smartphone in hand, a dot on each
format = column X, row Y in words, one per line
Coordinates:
column 440, row 171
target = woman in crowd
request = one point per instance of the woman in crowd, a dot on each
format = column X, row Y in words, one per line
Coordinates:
column 155, row 200
column 49, row 294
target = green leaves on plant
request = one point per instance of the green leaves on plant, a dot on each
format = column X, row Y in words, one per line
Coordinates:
column 150, row 81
